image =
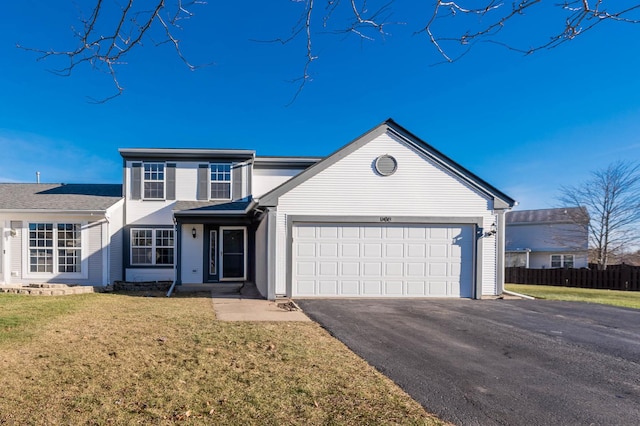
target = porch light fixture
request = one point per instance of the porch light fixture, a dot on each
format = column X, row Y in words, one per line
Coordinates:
column 193, row 232
column 493, row 230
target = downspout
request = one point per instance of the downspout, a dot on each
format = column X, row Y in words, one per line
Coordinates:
column 500, row 243
column 176, row 243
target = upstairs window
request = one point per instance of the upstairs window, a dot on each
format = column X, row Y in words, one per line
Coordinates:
column 220, row 181
column 562, row 261
column 153, row 181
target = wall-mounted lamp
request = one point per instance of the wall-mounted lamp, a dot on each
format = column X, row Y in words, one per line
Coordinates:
column 492, row 230
column 193, row 232
column 13, row 232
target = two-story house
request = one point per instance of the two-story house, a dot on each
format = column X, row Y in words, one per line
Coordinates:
column 548, row 238
column 387, row 215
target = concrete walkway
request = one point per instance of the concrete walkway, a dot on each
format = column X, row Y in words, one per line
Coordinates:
column 239, row 308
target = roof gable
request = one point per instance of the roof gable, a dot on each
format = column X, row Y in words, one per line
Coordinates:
column 501, row 200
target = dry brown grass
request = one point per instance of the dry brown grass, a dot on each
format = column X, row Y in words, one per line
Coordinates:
column 119, row 359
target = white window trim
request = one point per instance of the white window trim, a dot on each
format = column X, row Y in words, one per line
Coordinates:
column 164, row 181
column 230, row 181
column 153, row 247
column 562, row 260
column 84, row 263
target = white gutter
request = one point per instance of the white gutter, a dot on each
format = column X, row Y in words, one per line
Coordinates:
column 56, row 211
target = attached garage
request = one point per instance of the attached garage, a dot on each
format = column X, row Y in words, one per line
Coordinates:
column 382, row 260
column 385, row 216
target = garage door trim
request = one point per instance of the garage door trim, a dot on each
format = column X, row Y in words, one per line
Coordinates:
column 382, row 220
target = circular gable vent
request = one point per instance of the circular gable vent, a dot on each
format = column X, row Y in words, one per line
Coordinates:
column 386, row 165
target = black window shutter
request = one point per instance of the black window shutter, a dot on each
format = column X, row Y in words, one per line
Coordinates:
column 171, row 181
column 136, row 180
column 236, row 191
column 203, row 182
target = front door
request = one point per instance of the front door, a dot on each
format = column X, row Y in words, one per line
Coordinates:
column 233, row 252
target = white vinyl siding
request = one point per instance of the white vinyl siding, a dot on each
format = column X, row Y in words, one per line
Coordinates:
column 420, row 187
column 265, row 179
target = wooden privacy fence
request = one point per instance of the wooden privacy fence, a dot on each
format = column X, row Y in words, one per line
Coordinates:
column 610, row 279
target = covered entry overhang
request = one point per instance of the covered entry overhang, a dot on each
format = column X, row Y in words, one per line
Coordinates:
column 214, row 241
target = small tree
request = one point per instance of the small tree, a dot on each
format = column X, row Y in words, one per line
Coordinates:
column 612, row 199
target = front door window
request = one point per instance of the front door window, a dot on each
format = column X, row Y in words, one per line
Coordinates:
column 213, row 252
column 233, row 253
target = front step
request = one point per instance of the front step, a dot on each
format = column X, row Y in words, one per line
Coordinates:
column 47, row 289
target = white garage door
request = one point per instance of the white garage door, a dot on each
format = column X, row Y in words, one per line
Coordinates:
column 399, row 260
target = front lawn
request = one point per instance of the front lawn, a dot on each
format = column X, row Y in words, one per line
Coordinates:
column 123, row 359
column 627, row 299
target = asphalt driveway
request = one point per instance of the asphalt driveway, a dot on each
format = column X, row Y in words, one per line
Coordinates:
column 509, row 362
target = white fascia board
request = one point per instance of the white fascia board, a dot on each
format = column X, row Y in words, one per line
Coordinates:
column 49, row 211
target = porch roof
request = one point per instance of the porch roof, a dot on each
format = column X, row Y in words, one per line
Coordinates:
column 213, row 208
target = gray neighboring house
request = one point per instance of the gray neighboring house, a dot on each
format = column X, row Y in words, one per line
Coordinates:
column 60, row 233
column 547, row 238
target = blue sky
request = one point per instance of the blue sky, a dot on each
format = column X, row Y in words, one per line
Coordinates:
column 526, row 124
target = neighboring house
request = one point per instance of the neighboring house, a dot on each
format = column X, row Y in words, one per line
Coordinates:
column 60, row 233
column 387, row 215
column 548, row 238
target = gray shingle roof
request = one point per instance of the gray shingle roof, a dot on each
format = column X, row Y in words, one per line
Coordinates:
column 56, row 196
column 213, row 207
column 558, row 215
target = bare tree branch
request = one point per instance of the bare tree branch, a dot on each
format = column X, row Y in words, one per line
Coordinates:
column 106, row 49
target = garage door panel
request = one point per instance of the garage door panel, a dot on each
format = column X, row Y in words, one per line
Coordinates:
column 416, row 250
column 306, row 269
column 416, row 269
column 328, row 250
column 394, row 250
column 394, row 232
column 306, row 250
column 438, row 288
column 372, row 250
column 350, row 269
column 415, row 288
column 327, row 287
column 393, row 288
column 415, row 233
column 350, row 232
column 350, row 288
column 372, row 288
column 439, row 233
column 439, row 250
column 438, row 269
column 392, row 260
column 350, row 250
column 305, row 231
column 394, row 269
column 306, row 287
column 372, row 232
column 372, row 269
